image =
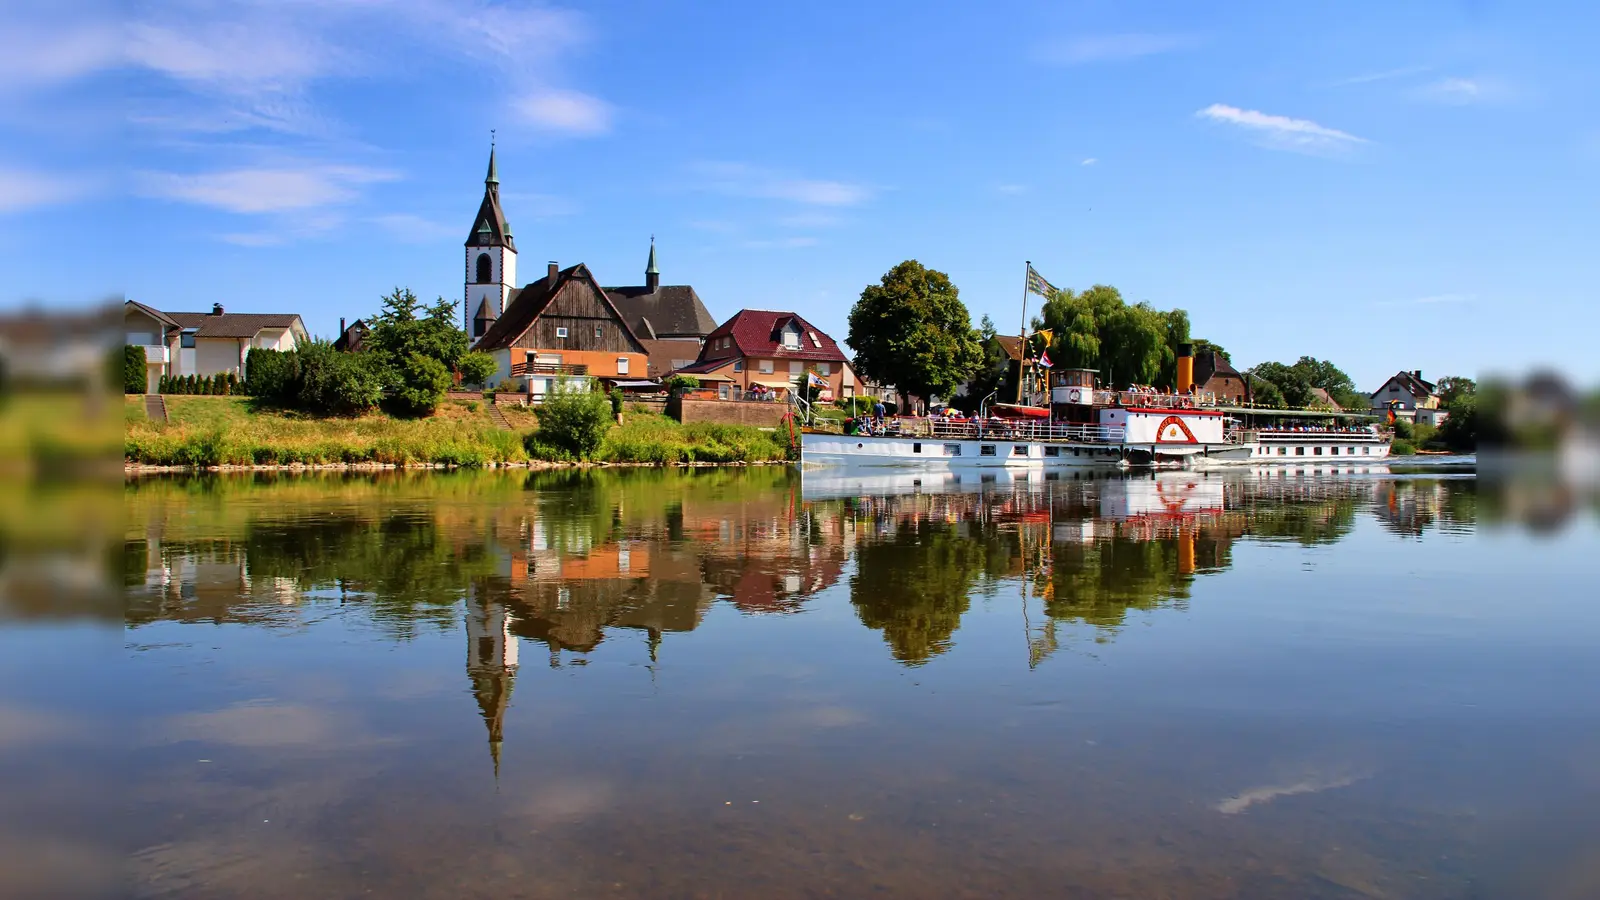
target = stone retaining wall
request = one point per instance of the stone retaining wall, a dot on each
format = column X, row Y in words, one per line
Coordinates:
column 758, row 413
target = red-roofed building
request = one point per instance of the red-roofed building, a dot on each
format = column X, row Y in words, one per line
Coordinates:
column 768, row 351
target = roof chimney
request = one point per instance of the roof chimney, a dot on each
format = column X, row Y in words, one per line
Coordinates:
column 341, row 324
column 216, row 309
column 553, row 272
column 1417, row 373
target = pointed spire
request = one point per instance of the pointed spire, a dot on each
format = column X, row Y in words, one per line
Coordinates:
column 652, row 273
column 493, row 178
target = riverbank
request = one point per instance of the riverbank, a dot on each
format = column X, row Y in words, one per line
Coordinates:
column 235, row 433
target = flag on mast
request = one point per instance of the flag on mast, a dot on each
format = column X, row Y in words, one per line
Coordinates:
column 1044, row 360
column 1038, row 285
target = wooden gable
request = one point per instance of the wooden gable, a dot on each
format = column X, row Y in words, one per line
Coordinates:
column 580, row 317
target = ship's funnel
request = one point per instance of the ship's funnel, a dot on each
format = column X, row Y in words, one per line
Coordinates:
column 1185, row 368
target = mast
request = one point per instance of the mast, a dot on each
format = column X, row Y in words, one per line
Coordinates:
column 1022, row 342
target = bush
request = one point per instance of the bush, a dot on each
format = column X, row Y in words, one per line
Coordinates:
column 1402, row 447
column 336, row 384
column 476, row 368
column 677, row 385
column 133, row 369
column 574, row 421
column 1403, row 429
column 272, row 375
column 423, row 383
column 616, row 402
column 506, row 386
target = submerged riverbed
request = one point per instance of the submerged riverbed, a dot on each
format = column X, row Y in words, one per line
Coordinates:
column 749, row 683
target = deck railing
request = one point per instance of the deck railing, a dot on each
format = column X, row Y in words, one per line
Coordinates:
column 1002, row 430
column 526, row 368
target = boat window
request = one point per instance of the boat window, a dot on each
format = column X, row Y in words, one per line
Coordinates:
column 985, row 449
column 1366, row 451
column 1299, row 451
column 1052, row 451
column 1282, row 450
column 916, row 448
column 1019, row 450
column 986, row 479
column 952, row 449
column 1317, row 451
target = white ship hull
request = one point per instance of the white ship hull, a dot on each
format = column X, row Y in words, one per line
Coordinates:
column 829, row 450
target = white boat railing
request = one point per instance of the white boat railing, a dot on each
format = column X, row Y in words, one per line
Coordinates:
column 1003, row 430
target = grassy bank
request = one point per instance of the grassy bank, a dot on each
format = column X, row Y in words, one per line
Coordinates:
column 223, row 431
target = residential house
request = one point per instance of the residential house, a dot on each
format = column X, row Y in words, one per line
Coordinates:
column 669, row 319
column 206, row 344
column 1410, row 397
column 351, row 338
column 561, row 327
column 766, row 352
column 1214, row 374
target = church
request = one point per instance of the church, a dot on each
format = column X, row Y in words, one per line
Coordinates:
column 565, row 329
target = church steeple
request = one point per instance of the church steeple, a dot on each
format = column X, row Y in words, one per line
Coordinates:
column 491, row 258
column 652, row 273
column 492, row 180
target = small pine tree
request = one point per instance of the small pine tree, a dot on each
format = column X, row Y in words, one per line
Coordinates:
column 190, row 384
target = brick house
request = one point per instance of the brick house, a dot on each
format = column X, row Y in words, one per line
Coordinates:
column 1213, row 374
column 562, row 326
column 765, row 352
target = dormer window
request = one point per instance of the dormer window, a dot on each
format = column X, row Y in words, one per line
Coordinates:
column 791, row 340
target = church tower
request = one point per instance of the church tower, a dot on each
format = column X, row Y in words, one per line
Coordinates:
column 491, row 259
column 491, row 664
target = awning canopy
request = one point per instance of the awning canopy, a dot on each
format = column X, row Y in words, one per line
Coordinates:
column 709, row 376
column 637, row 384
column 1020, row 412
column 778, row 385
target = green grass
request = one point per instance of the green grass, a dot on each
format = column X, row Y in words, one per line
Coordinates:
column 216, row 431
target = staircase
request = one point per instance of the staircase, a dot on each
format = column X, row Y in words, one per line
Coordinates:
column 498, row 418
column 155, row 408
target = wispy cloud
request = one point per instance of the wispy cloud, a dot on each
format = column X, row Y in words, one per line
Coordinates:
column 22, row 189
column 1012, row 190
column 1385, row 75
column 1462, row 91
column 810, row 218
column 1283, row 132
column 1089, row 161
column 1097, row 48
column 565, row 112
column 262, row 190
column 55, row 49
column 414, row 229
column 742, row 180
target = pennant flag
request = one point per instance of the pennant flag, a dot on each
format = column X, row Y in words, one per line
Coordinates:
column 1047, row 334
column 1038, row 285
column 1044, row 360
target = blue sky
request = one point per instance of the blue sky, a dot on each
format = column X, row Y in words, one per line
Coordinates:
column 1387, row 185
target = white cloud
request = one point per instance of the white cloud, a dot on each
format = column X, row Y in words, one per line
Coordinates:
column 262, row 190
column 21, row 189
column 1461, row 91
column 566, row 112
column 1282, row 132
column 1089, row 162
column 231, row 56
column 1386, row 75
column 414, row 229
column 741, row 180
column 53, row 51
column 1111, row 47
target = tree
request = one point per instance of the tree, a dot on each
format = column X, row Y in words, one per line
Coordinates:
column 995, row 373
column 1453, row 387
column 1293, row 385
column 678, row 385
column 133, row 369
column 1329, row 377
column 404, row 329
column 574, row 421
column 912, row 330
column 476, row 368
column 1201, row 345
column 1265, row 393
column 1097, row 329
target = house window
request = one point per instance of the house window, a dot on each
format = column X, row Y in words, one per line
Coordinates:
column 765, row 367
column 824, row 369
column 597, row 331
column 985, row 449
column 477, row 327
column 561, row 332
column 485, row 268
column 796, row 367
column 738, row 365
column 724, row 392
column 187, row 340
column 814, row 342
column 622, row 365
column 791, row 340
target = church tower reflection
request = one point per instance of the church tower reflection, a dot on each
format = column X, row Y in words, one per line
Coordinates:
column 491, row 665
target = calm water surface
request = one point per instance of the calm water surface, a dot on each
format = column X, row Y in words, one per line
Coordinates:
column 1276, row 683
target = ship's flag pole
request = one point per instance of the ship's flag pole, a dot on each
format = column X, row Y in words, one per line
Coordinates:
column 1022, row 345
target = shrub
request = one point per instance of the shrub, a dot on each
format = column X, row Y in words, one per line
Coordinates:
column 334, row 383
column 678, row 385
column 1403, row 429
column 476, row 368
column 574, row 421
column 616, row 402
column 423, row 383
column 133, row 369
column 506, row 386
column 1402, row 447
column 273, row 375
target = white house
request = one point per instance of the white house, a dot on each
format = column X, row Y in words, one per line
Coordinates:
column 205, row 344
column 1410, row 397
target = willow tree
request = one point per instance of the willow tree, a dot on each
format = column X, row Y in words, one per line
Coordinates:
column 1098, row 329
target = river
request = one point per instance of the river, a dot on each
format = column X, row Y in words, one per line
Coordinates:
column 748, row 683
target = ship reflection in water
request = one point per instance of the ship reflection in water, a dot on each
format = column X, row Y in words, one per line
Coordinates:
column 1263, row 683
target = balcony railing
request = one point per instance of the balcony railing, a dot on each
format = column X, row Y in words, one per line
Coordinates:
column 522, row 370
column 1001, row 430
column 155, row 353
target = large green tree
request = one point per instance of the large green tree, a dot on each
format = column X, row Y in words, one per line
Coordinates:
column 912, row 330
column 1295, row 383
column 1128, row 343
column 405, row 330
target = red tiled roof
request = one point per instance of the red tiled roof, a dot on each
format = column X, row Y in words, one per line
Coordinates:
column 755, row 333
